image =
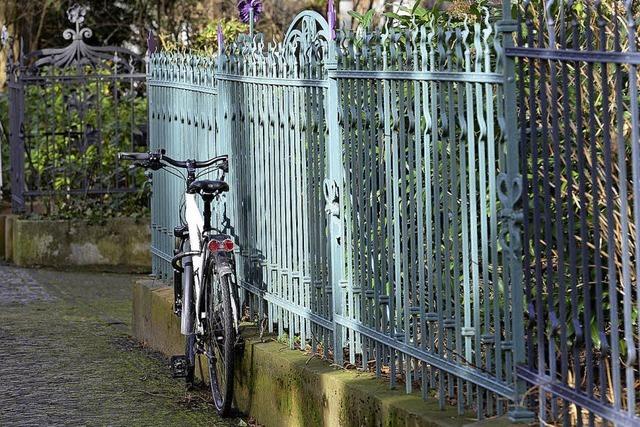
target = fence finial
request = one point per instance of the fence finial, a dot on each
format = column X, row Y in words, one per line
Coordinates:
column 152, row 46
column 331, row 17
column 220, row 38
column 76, row 15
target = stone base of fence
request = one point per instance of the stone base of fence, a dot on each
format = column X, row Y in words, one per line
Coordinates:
column 281, row 387
column 120, row 244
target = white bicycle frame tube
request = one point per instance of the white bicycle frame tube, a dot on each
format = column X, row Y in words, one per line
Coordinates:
column 195, row 223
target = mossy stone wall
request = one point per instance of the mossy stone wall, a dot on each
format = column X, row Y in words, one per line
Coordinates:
column 120, row 244
column 282, row 387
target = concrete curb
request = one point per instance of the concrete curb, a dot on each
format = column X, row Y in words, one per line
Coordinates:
column 281, row 387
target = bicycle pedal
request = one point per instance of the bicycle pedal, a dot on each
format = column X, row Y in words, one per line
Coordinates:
column 179, row 366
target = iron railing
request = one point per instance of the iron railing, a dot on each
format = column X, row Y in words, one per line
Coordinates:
column 374, row 195
column 71, row 110
column 379, row 182
column 182, row 120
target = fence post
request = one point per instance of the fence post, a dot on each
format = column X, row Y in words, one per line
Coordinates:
column 333, row 186
column 510, row 192
column 16, row 142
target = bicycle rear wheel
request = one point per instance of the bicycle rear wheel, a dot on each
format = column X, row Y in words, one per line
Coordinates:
column 220, row 341
column 190, row 354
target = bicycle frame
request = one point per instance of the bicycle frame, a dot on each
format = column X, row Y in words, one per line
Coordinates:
column 195, row 224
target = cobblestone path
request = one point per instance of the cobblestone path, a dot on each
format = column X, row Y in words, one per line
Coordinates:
column 66, row 357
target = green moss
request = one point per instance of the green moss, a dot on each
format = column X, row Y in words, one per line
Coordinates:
column 279, row 386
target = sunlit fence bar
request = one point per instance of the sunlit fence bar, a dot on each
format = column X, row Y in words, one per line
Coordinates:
column 379, row 181
column 182, row 120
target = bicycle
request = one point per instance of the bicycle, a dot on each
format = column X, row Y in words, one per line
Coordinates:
column 204, row 280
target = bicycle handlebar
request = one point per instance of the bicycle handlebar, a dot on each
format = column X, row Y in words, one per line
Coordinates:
column 134, row 156
column 155, row 158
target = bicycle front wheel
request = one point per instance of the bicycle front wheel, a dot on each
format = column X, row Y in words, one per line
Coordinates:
column 220, row 341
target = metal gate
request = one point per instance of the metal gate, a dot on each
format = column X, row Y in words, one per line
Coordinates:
column 71, row 110
column 579, row 133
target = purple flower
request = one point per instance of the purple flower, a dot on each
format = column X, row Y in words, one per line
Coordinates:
column 245, row 7
column 331, row 17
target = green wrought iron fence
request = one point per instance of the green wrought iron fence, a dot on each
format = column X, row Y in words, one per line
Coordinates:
column 274, row 112
column 374, row 195
column 424, row 154
column 182, row 117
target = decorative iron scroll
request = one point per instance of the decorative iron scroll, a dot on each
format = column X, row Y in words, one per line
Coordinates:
column 78, row 53
column 300, row 55
column 187, row 69
column 509, row 193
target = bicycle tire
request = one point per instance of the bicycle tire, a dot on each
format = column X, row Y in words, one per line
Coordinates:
column 220, row 341
column 190, row 353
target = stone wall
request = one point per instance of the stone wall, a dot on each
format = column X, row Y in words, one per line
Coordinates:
column 120, row 244
column 282, row 387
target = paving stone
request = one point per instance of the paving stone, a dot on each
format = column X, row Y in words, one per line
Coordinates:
column 67, row 358
column 17, row 286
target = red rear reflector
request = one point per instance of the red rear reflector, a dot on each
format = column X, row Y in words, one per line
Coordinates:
column 216, row 245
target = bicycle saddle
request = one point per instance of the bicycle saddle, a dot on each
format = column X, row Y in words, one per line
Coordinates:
column 207, row 186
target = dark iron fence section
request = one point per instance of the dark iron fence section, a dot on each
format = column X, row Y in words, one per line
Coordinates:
column 72, row 110
column 579, row 132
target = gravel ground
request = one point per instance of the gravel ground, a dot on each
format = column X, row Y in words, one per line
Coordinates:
column 67, row 357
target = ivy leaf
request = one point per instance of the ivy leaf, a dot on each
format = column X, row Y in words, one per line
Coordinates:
column 420, row 12
column 595, row 336
column 416, row 6
column 393, row 16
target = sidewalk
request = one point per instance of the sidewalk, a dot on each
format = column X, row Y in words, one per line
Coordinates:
column 66, row 357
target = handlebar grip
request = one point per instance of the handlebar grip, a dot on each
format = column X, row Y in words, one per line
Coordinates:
column 222, row 160
column 134, row 156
